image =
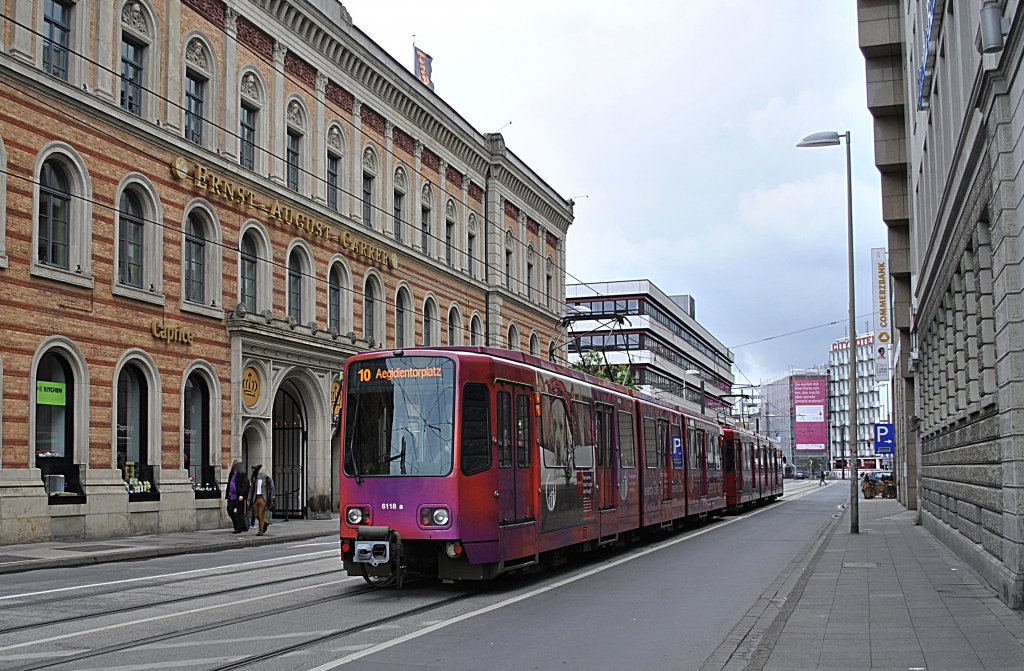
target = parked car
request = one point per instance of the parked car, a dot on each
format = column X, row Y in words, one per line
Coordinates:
column 801, row 475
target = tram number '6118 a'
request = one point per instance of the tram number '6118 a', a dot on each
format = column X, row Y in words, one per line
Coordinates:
column 392, row 506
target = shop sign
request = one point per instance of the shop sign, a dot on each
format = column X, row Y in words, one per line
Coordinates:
column 51, row 393
column 278, row 213
column 170, row 334
column 251, row 386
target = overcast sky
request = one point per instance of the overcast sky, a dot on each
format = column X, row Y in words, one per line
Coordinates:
column 678, row 121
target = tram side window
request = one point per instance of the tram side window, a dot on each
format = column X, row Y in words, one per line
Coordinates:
column 627, row 458
column 504, row 429
column 650, row 443
column 583, row 449
column 554, row 432
column 476, row 428
column 523, row 430
column 604, row 419
column 694, row 448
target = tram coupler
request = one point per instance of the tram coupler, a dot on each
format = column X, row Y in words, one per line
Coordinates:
column 378, row 554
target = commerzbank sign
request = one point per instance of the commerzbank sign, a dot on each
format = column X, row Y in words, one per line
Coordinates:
column 279, row 213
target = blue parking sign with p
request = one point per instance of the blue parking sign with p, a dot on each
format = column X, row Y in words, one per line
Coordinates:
column 885, row 439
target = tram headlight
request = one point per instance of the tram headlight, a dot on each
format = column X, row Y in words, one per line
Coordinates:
column 435, row 517
column 357, row 516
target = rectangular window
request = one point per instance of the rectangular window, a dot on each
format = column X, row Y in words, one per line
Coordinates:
column 449, row 232
column 130, row 252
column 295, row 293
column 508, row 268
column 194, row 108
column 294, row 141
column 504, row 429
column 424, row 228
column 249, row 282
column 529, row 281
column 131, row 77
column 650, row 443
column 547, row 290
column 397, row 221
column 476, row 428
column 333, row 165
column 523, row 430
column 554, row 432
column 470, row 255
column 194, row 280
column 583, row 452
column 626, row 449
column 247, row 138
column 56, row 36
column 367, row 199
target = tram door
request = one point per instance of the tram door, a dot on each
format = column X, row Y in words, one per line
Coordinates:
column 514, row 459
column 289, row 454
column 607, row 464
column 666, row 460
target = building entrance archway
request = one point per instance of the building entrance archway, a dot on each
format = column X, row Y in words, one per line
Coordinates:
column 290, row 437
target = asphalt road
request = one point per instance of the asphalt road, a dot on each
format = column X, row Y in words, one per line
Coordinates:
column 665, row 604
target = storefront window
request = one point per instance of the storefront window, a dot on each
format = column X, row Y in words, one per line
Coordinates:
column 54, row 435
column 197, row 438
column 132, row 434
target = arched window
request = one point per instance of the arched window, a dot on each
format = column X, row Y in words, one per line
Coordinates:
column 295, row 130
column 370, row 311
column 54, row 215
column 251, row 127
column 509, row 255
column 513, row 338
column 132, row 436
column 369, row 187
column 55, row 402
column 139, row 69
column 451, row 214
column 295, row 282
column 429, row 317
column 534, row 344
column 195, row 260
column 247, row 273
column 131, row 240
column 335, row 156
column 334, row 304
column 454, row 327
column 197, row 439
column 402, row 319
column 398, row 204
column 199, row 94
column 425, row 218
column 471, row 252
column 476, row 332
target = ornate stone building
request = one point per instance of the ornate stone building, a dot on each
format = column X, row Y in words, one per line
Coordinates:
column 205, row 207
column 944, row 88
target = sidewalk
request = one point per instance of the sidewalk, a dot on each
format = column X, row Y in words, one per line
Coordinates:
column 889, row 597
column 81, row 552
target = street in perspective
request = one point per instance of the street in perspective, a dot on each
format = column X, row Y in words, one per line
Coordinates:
column 499, row 336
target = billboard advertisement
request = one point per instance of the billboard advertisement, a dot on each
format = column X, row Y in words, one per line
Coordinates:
column 810, row 430
column 880, row 282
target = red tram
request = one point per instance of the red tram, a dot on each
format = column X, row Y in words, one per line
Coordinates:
column 464, row 463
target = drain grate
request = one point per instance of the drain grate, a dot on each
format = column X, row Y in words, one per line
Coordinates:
column 859, row 564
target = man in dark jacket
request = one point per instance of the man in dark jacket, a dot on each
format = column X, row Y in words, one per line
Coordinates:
column 261, row 496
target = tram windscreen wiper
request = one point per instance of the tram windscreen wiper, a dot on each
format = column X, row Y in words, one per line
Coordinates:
column 351, row 438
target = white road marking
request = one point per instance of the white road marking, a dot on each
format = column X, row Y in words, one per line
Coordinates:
column 335, row 543
column 561, row 583
column 165, row 575
column 233, row 604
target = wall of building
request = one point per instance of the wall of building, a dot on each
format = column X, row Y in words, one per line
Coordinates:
column 342, row 98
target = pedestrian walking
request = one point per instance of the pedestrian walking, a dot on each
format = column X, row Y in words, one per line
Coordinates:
column 821, row 482
column 261, row 496
column 237, row 493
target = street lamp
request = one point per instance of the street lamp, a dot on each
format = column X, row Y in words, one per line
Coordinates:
column 828, row 139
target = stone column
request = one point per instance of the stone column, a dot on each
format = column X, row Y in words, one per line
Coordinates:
column 416, row 194
column 24, row 22
column 232, row 100
column 277, row 112
column 318, row 145
column 385, row 178
column 107, row 30
column 174, row 91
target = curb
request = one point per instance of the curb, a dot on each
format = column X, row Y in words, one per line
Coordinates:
column 135, row 554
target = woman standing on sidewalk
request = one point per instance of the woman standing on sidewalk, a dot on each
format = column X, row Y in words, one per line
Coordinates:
column 237, row 493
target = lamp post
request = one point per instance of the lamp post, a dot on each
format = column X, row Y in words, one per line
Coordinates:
column 828, row 139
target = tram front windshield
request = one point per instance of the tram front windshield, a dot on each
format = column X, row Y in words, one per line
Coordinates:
column 399, row 417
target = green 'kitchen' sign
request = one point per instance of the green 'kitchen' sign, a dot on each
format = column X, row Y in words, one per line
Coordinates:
column 50, row 393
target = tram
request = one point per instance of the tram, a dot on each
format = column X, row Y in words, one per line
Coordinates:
column 464, row 463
